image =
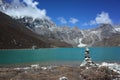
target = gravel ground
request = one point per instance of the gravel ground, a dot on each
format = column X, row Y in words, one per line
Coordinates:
column 35, row 72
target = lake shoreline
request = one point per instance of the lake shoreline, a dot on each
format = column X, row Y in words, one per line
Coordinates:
column 50, row 63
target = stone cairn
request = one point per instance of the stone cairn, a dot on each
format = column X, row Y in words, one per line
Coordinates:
column 87, row 60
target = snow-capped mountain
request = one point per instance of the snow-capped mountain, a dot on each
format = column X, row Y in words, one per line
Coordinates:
column 48, row 29
column 117, row 28
column 100, row 34
column 73, row 36
column 37, row 21
column 41, row 24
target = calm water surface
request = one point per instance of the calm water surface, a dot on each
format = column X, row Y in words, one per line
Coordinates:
column 99, row 54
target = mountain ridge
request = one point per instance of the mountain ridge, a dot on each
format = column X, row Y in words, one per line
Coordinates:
column 46, row 28
column 15, row 35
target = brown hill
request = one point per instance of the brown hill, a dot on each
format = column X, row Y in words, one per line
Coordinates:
column 14, row 35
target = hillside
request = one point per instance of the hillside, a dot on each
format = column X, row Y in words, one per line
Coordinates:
column 15, row 35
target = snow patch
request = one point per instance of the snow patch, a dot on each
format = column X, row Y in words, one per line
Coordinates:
column 117, row 29
column 81, row 44
column 36, row 66
column 95, row 32
column 24, row 68
column 113, row 66
column 44, row 68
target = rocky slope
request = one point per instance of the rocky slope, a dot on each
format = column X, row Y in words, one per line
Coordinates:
column 74, row 36
column 104, row 35
column 15, row 35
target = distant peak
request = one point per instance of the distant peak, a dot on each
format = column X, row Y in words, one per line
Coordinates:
column 105, row 26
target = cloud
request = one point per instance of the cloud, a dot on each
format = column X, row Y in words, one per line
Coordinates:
column 26, row 8
column 73, row 20
column 62, row 20
column 31, row 3
column 92, row 22
column 102, row 18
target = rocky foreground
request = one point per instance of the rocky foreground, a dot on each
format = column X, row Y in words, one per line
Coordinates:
column 36, row 72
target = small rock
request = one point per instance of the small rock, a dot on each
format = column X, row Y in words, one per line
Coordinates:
column 43, row 68
column 35, row 66
column 63, row 78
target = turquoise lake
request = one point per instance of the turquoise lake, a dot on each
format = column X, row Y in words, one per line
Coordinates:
column 99, row 54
